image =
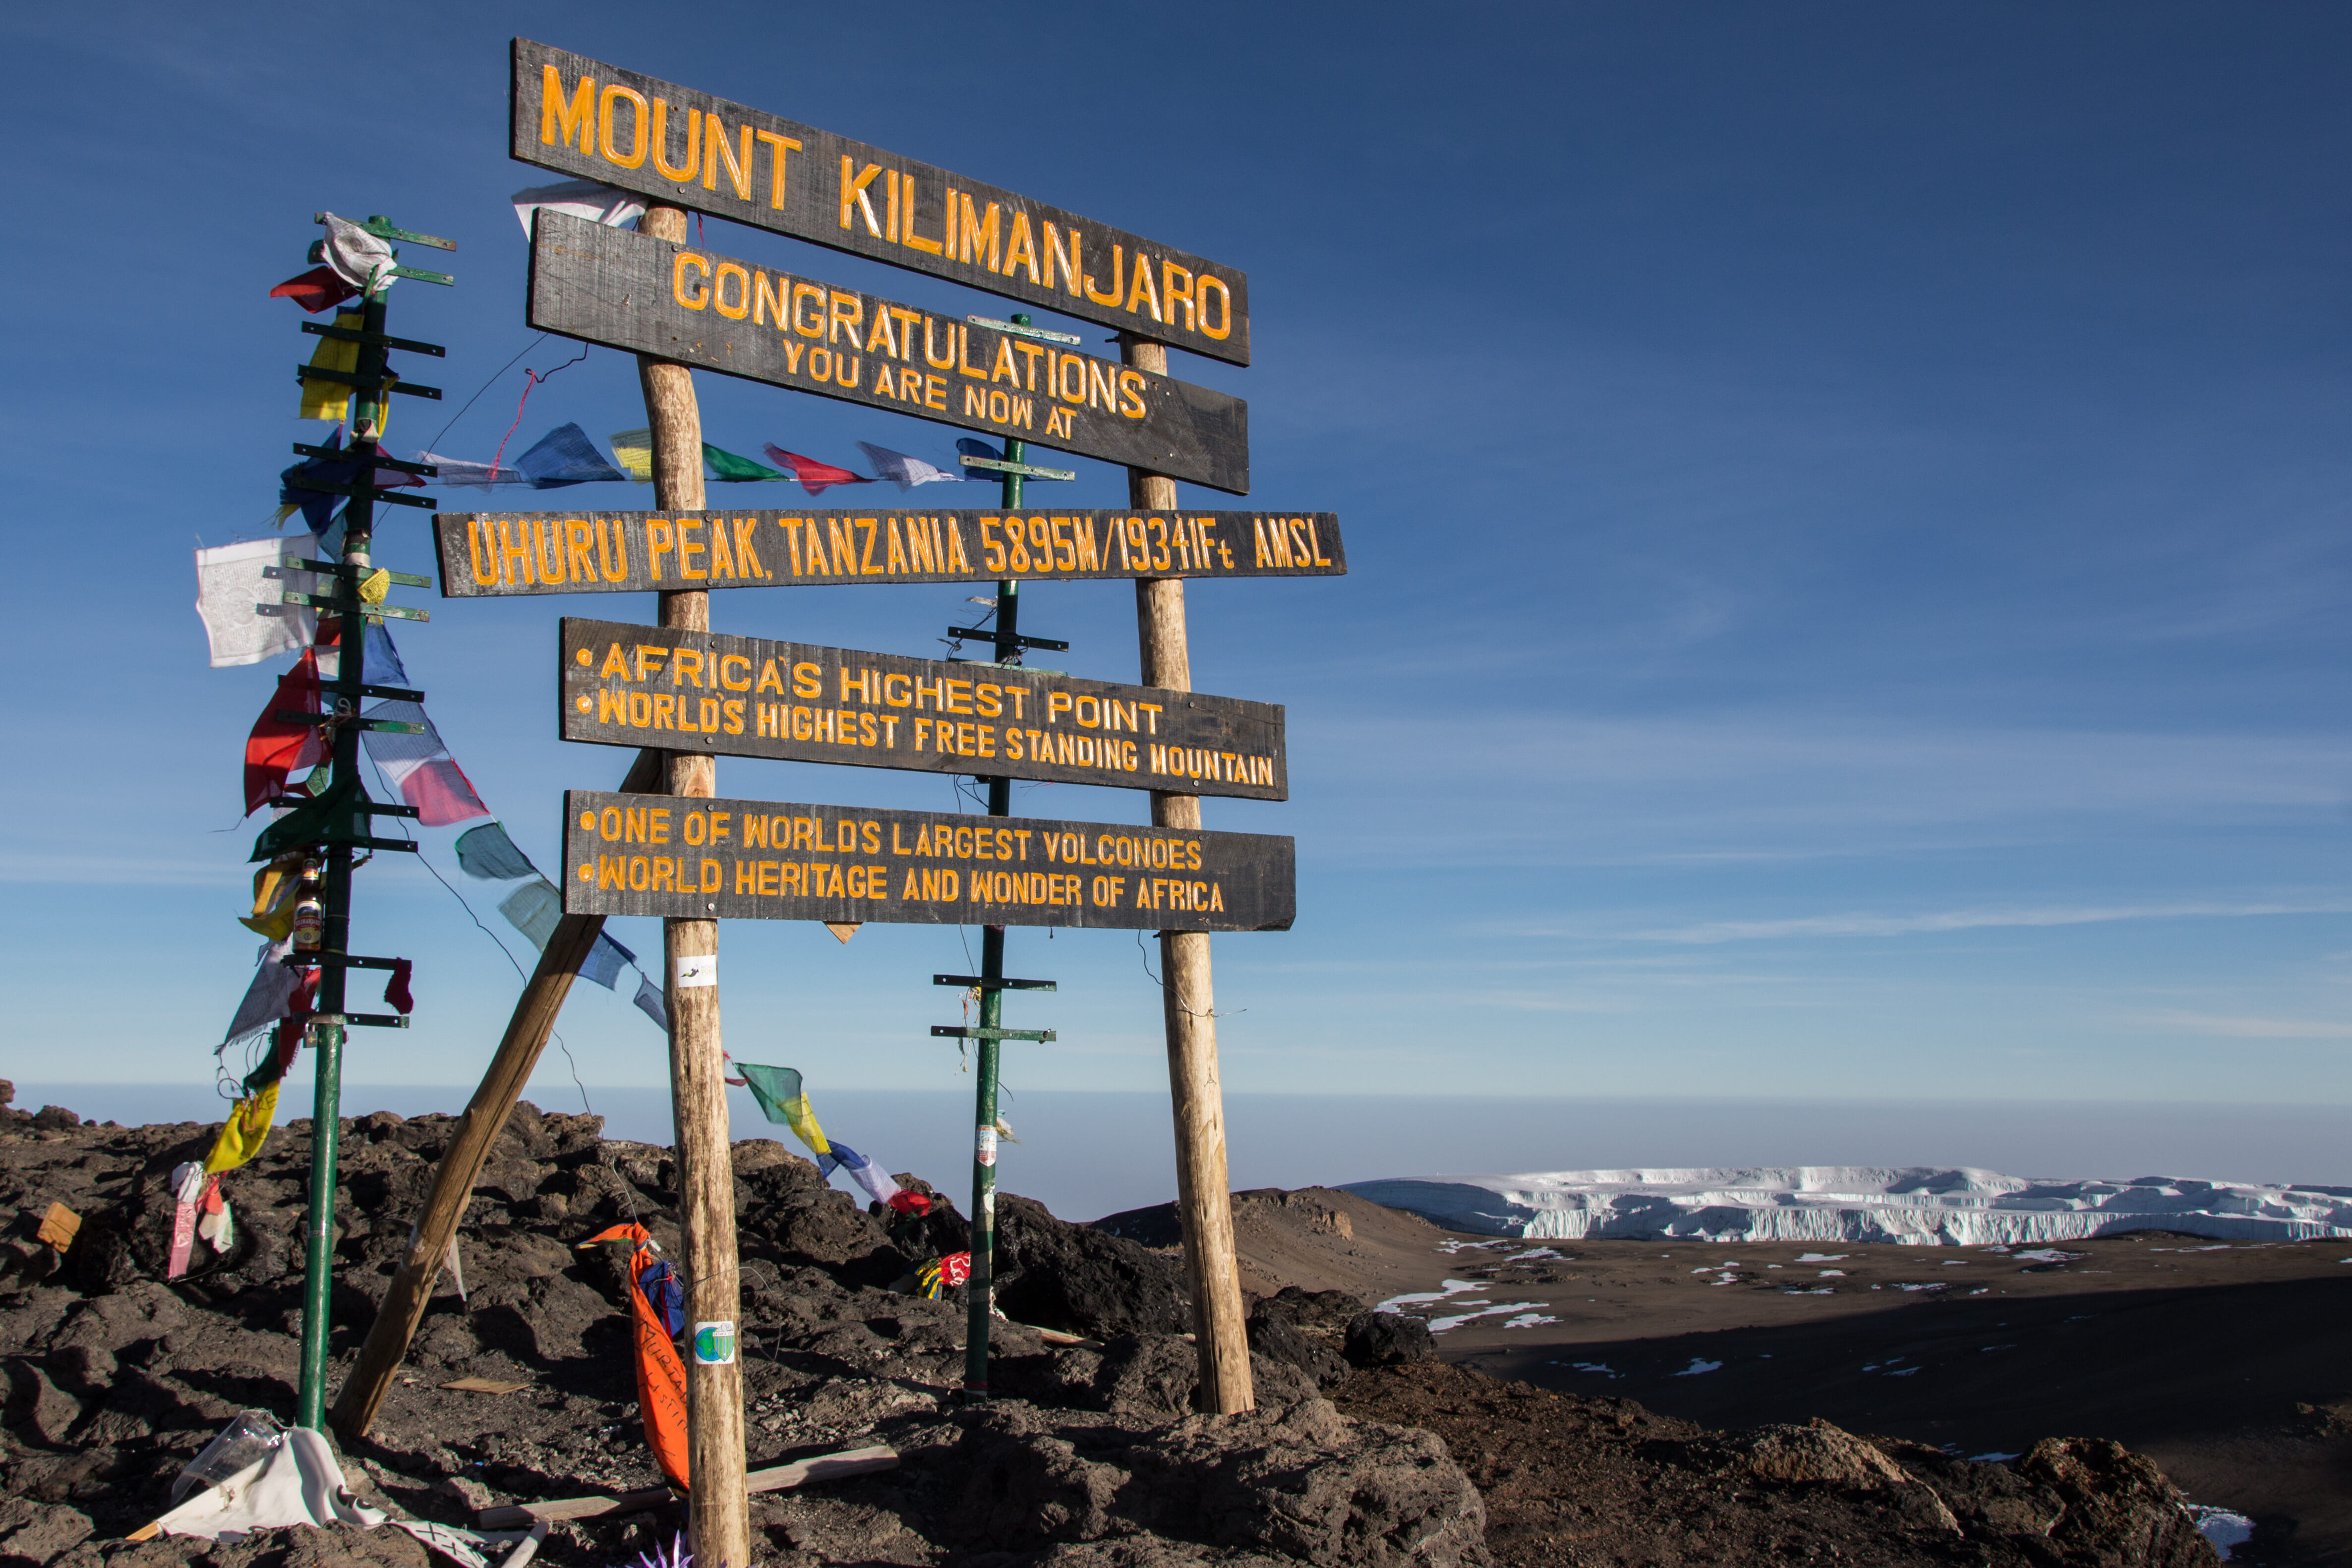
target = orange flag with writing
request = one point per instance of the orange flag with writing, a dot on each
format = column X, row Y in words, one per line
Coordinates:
column 661, row 1379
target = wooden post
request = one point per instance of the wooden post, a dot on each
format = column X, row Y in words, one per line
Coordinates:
column 1203, row 1197
column 717, row 1507
column 478, row 1131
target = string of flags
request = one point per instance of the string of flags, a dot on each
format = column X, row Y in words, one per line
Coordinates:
column 784, row 1101
column 565, row 455
column 279, row 1002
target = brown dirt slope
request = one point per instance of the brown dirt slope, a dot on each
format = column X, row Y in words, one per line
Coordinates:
column 1591, row 1481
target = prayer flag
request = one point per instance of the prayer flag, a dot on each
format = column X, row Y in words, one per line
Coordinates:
column 902, row 470
column 323, row 398
column 815, row 477
column 317, row 506
column 729, row 469
column 565, row 455
column 586, row 199
column 488, row 853
column 533, row 909
column 244, row 622
column 970, row 447
column 315, row 291
column 422, row 770
column 274, row 889
column 864, row 1173
column 633, row 450
column 661, row 1380
column 783, row 1101
column 266, row 998
column 246, row 1129
column 649, row 1001
column 461, row 473
column 360, row 258
column 606, row 961
column 381, row 662
column 276, row 746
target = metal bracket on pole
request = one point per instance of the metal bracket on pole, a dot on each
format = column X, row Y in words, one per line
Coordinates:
column 959, row 1031
column 1017, row 470
column 1019, row 329
column 972, row 982
column 1015, row 638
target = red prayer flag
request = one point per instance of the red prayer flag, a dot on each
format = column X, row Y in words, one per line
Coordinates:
column 276, row 747
column 316, row 290
column 815, row 477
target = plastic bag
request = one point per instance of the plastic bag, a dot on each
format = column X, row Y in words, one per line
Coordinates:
column 245, row 1442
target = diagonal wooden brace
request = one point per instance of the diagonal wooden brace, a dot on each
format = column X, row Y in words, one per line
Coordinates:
column 453, row 1179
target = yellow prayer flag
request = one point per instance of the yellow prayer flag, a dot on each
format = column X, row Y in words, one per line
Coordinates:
column 246, row 1129
column 325, row 399
column 633, row 451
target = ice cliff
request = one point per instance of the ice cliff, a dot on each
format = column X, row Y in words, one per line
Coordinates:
column 1919, row 1205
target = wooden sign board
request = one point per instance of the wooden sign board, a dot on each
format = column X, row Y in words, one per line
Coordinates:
column 766, row 859
column 747, row 696
column 715, row 312
column 496, row 553
column 674, row 144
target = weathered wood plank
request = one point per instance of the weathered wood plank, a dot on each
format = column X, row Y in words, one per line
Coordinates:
column 497, row 553
column 675, row 145
column 626, row 685
column 768, row 859
column 720, row 313
column 777, row 1478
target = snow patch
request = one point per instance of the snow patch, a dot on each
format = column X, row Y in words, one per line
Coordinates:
column 1913, row 1206
column 1527, row 1321
column 1699, row 1366
column 1441, row 1326
column 2225, row 1530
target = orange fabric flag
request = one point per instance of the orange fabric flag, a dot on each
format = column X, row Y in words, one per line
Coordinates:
column 661, row 1379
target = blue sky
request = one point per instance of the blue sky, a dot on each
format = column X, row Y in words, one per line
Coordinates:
column 1847, row 507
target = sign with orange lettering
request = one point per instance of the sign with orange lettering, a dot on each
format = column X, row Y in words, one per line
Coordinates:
column 746, row 696
column 715, row 312
column 674, row 144
column 763, row 860
column 497, row 553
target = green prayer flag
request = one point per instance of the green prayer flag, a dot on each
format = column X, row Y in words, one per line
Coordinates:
column 728, row 468
column 784, row 1101
column 332, row 817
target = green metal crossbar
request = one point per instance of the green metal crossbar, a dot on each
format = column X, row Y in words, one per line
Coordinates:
column 426, row 469
column 346, row 378
column 406, row 579
column 375, row 726
column 353, row 335
column 969, row 981
column 373, row 611
column 382, row 228
column 1017, row 470
column 1018, row 330
column 959, row 1031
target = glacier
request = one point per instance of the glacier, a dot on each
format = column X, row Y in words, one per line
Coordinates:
column 1917, row 1205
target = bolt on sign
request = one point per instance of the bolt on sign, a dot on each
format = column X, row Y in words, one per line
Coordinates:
column 648, row 295
column 496, row 553
column 746, row 696
column 767, row 860
column 674, row 144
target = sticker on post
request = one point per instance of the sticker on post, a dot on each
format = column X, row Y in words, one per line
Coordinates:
column 698, row 970
column 714, row 1345
column 984, row 1146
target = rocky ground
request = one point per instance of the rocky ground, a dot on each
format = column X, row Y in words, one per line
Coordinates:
column 1362, row 1450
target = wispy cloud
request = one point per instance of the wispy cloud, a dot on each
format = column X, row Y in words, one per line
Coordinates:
column 1868, row 925
column 2249, row 1028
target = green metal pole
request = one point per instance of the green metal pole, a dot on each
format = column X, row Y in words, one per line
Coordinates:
column 327, row 1034
column 991, row 1016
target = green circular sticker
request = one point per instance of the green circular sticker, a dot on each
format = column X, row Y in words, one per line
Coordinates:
column 714, row 1345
